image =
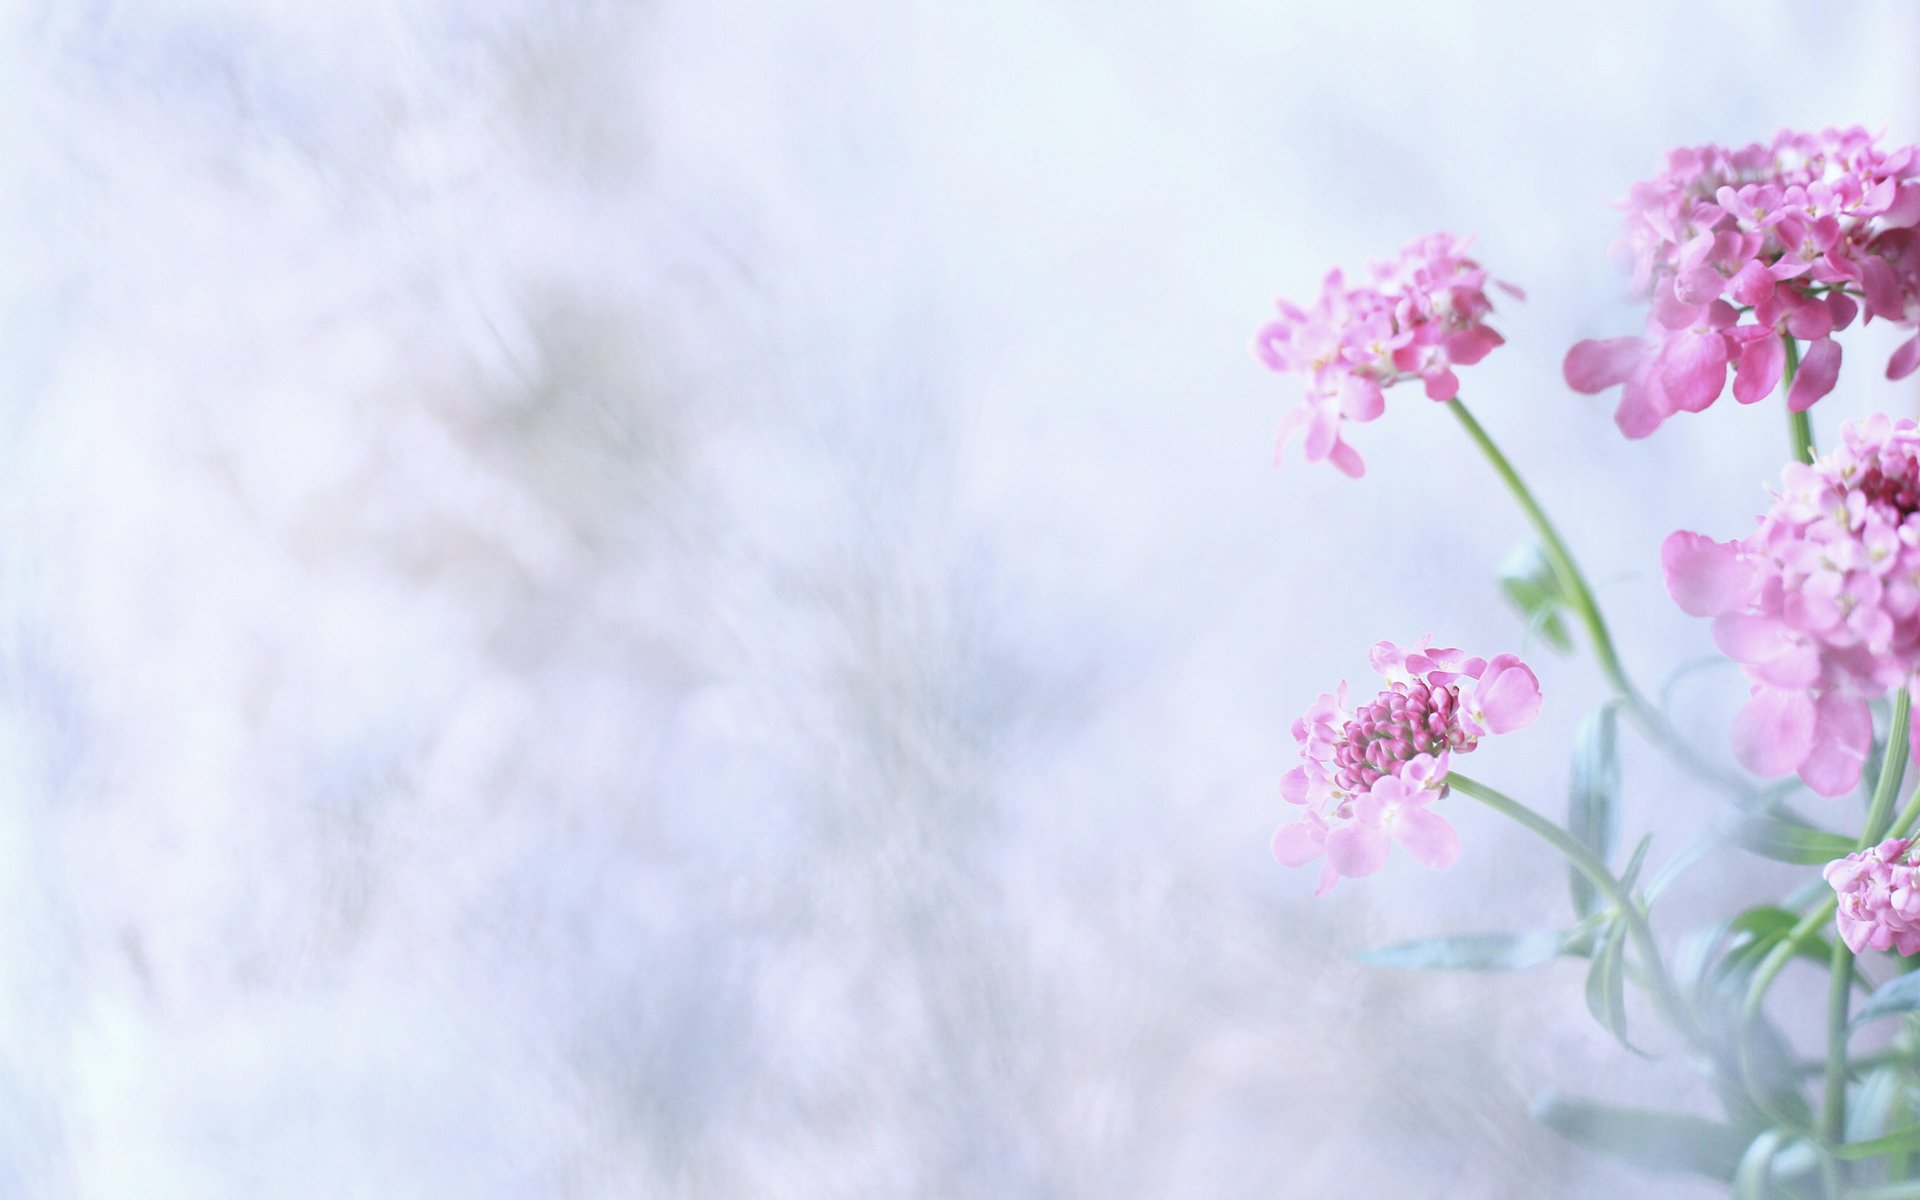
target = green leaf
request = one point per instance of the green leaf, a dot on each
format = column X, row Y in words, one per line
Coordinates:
column 1897, row 1142
column 1593, row 801
column 1652, row 1140
column 1471, row 952
column 1789, row 841
column 1754, row 1179
column 1635, row 861
column 1607, row 982
column 1528, row 580
column 1872, row 1108
column 1897, row 995
column 1756, row 931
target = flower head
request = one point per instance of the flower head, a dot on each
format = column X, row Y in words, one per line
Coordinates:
column 1737, row 249
column 1820, row 604
column 1368, row 776
column 1418, row 316
column 1879, row 897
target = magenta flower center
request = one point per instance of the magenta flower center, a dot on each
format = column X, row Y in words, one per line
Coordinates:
column 1898, row 489
column 1406, row 720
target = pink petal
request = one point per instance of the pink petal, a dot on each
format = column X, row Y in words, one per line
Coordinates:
column 1762, row 361
column 1780, row 657
column 1593, row 366
column 1428, row 837
column 1295, row 787
column 1290, row 423
column 1347, row 459
column 1298, row 844
column 1423, row 770
column 1843, row 734
column 1323, row 430
column 1810, row 321
column 1469, row 346
column 1673, row 313
column 1693, row 369
column 1643, row 405
column 1269, row 342
column 1905, row 359
column 1843, row 308
column 1773, row 733
column 1357, row 850
column 1905, row 209
column 1752, row 284
column 1884, row 297
column 1443, row 385
column 1361, row 399
column 1508, row 695
column 1818, row 371
column 1705, row 577
column 1699, row 285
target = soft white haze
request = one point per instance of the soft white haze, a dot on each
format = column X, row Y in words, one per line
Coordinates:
column 687, row 599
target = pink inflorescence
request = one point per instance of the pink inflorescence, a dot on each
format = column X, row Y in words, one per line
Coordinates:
column 1419, row 316
column 1821, row 603
column 1879, row 897
column 1738, row 249
column 1367, row 777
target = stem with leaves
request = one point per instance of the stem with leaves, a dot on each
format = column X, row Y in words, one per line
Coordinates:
column 1893, row 765
column 1653, row 967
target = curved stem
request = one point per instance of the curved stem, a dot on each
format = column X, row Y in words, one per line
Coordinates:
column 1666, row 996
column 1573, row 585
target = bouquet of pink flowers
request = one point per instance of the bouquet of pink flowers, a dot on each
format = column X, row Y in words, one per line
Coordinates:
column 1752, row 263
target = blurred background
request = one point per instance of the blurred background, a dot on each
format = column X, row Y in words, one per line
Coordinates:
column 682, row 600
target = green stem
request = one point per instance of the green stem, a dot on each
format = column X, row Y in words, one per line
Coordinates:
column 1799, row 424
column 1666, row 996
column 1833, row 1114
column 1893, row 769
column 1573, row 585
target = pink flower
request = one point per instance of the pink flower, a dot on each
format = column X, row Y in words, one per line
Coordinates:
column 1879, row 897
column 1367, row 778
column 1736, row 249
column 1820, row 604
column 1418, row 317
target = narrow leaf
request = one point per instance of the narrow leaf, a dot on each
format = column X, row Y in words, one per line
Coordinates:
column 1652, row 1140
column 1753, row 1181
column 1593, row 801
column 1527, row 579
column 1471, row 952
column 1635, row 861
column 1606, row 982
column 1789, row 841
column 1893, row 1143
column 1894, row 996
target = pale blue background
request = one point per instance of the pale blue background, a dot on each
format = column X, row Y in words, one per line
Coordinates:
column 687, row 599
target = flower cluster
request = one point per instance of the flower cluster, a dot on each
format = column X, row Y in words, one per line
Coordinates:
column 1418, row 316
column 1739, row 249
column 1368, row 776
column 1879, row 897
column 1821, row 603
